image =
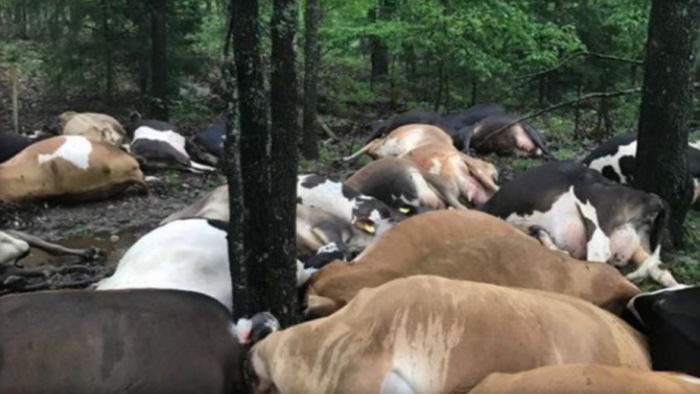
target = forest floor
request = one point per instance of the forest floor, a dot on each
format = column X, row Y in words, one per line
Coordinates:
column 113, row 225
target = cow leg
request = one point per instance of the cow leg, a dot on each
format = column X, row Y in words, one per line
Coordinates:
column 371, row 145
column 597, row 243
column 539, row 233
column 55, row 249
column 649, row 266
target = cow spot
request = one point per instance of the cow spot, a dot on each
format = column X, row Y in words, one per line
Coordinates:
column 218, row 224
column 609, row 172
column 627, row 162
column 300, row 201
column 311, row 181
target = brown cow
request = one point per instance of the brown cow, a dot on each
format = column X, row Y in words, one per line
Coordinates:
column 403, row 140
column 402, row 185
column 476, row 179
column 446, row 250
column 427, row 334
column 70, row 167
column 98, row 127
column 587, row 379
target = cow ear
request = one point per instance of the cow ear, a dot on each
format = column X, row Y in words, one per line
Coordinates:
column 319, row 306
column 366, row 224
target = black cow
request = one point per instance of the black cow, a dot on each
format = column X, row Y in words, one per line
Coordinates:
column 139, row 341
column 12, row 143
column 615, row 159
column 213, row 138
column 670, row 319
column 586, row 215
column 454, row 124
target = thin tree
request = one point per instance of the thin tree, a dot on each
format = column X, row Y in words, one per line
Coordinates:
column 261, row 166
column 312, row 15
column 665, row 111
column 159, row 60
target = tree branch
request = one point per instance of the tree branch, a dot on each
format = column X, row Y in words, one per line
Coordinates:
column 577, row 100
column 577, row 55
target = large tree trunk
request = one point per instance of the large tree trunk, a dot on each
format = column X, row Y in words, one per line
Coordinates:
column 280, row 269
column 312, row 59
column 666, row 106
column 159, row 62
column 262, row 234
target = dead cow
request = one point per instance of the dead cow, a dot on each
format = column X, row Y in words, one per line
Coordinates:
column 146, row 341
column 427, row 334
column 98, row 127
column 402, row 140
column 615, row 159
column 403, row 186
column 502, row 134
column 587, row 215
column 157, row 145
column 70, row 167
column 500, row 255
column 587, row 379
column 475, row 179
column 315, row 227
column 364, row 212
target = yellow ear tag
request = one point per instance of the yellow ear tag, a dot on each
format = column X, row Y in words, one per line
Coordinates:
column 369, row 228
column 404, row 210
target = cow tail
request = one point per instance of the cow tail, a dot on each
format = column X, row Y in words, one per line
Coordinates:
column 362, row 150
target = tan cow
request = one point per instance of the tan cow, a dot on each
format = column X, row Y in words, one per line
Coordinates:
column 403, row 140
column 71, row 167
column 98, row 127
column 444, row 251
column 587, row 379
column 427, row 334
column 500, row 260
column 476, row 179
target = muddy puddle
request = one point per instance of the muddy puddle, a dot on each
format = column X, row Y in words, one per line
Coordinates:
column 112, row 245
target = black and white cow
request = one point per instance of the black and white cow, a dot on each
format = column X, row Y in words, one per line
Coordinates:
column 135, row 341
column 615, row 159
column 317, row 229
column 402, row 185
column 363, row 212
column 587, row 215
column 156, row 145
column 670, row 319
column 213, row 138
column 187, row 254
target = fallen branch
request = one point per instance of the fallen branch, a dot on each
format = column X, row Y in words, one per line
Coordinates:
column 577, row 55
column 575, row 101
column 325, row 128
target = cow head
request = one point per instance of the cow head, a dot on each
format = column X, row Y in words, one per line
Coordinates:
column 11, row 249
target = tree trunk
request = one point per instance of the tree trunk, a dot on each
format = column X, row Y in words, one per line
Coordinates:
column 379, row 53
column 312, row 59
column 279, row 272
column 159, row 62
column 14, row 74
column 666, row 107
column 109, row 64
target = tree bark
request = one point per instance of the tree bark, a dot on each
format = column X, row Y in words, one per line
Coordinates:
column 159, row 60
column 665, row 110
column 312, row 16
column 109, row 64
column 379, row 52
column 279, row 272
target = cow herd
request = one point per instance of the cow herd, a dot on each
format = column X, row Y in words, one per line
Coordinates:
column 418, row 273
